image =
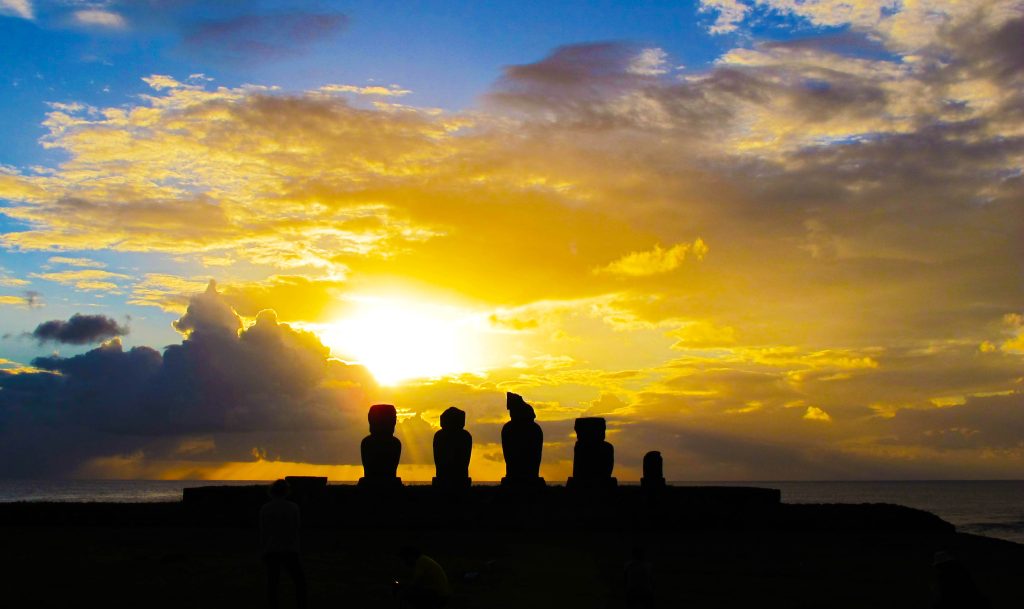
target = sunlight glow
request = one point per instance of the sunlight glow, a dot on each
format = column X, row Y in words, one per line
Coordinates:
column 403, row 339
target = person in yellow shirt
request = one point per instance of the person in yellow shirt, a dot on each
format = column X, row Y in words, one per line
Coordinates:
column 428, row 588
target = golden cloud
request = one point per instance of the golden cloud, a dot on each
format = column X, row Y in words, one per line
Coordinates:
column 84, row 279
column 656, row 261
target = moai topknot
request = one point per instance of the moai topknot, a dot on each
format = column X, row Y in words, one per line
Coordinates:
column 453, row 447
column 522, row 441
column 381, row 450
column 593, row 457
column 653, row 467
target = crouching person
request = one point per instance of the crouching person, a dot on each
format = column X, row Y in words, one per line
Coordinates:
column 428, row 587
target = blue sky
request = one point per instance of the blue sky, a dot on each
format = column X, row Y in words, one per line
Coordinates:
column 772, row 239
column 446, row 53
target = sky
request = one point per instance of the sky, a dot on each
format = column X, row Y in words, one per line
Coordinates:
column 773, row 240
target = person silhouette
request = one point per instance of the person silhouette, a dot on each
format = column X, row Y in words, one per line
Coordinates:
column 279, row 539
column 639, row 580
column 954, row 586
column 428, row 587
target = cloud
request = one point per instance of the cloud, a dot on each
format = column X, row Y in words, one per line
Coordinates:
column 160, row 82
column 649, row 62
column 79, row 330
column 990, row 422
column 814, row 413
column 29, row 298
column 374, row 90
column 168, row 292
column 20, row 8
column 13, row 282
column 97, row 17
column 903, row 26
column 653, row 262
column 79, row 262
column 262, row 36
column 728, row 14
column 265, row 385
column 85, row 279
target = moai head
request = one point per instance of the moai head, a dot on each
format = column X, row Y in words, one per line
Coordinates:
column 518, row 409
column 590, row 429
column 653, row 465
column 383, row 419
column 453, row 418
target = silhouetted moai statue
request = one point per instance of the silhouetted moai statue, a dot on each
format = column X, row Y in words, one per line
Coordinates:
column 653, row 467
column 381, row 450
column 522, row 441
column 453, row 446
column 593, row 457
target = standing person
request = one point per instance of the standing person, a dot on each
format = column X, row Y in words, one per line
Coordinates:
column 954, row 585
column 279, row 539
column 639, row 580
column 428, row 588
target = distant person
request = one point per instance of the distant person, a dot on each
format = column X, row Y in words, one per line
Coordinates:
column 279, row 540
column 428, row 588
column 955, row 588
column 639, row 580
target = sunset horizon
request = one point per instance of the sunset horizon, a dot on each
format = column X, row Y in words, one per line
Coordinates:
column 772, row 240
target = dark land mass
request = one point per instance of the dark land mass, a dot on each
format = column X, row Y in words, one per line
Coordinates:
column 709, row 547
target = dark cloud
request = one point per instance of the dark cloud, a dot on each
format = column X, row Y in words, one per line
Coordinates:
column 704, row 454
column 79, row 330
column 988, row 422
column 267, row 387
column 850, row 42
column 601, row 86
column 261, row 37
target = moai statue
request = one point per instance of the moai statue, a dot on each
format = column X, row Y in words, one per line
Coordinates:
column 653, row 468
column 593, row 457
column 522, row 441
column 381, row 450
column 453, row 446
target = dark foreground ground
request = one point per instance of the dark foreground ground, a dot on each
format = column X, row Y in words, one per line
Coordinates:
column 143, row 565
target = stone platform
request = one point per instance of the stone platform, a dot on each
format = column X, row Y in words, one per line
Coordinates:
column 554, row 507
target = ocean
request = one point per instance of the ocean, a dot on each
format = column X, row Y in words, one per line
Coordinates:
column 992, row 508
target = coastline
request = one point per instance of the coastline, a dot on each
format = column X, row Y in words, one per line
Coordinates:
column 560, row 551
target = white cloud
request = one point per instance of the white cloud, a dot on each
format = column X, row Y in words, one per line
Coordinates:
column 902, row 26
column 21, row 8
column 100, row 18
column 160, row 82
column 650, row 62
column 730, row 14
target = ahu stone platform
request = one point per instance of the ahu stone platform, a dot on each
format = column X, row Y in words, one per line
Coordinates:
column 552, row 507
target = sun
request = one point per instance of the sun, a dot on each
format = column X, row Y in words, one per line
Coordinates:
column 402, row 339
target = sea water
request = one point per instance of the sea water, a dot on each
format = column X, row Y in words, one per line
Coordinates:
column 992, row 508
column 983, row 507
